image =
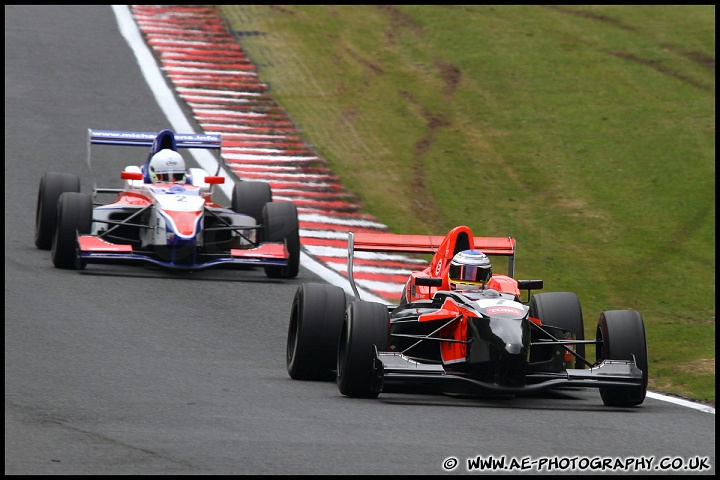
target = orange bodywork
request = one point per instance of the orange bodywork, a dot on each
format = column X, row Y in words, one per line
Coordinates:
column 444, row 248
column 452, row 352
column 265, row 251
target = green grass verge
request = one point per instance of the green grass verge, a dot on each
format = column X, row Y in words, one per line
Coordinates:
column 585, row 132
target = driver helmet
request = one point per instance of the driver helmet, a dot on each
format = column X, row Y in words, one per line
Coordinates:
column 469, row 270
column 167, row 166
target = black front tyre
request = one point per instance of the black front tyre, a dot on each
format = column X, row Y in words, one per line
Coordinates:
column 52, row 185
column 249, row 198
column 280, row 223
column 74, row 216
column 561, row 309
column 366, row 328
column 316, row 317
column 622, row 333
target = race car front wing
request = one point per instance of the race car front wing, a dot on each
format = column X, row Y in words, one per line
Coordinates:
column 92, row 249
column 395, row 368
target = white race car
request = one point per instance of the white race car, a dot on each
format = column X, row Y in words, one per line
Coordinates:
column 173, row 225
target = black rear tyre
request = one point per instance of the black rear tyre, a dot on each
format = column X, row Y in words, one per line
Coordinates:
column 249, row 198
column 52, row 185
column 280, row 223
column 74, row 216
column 316, row 318
column 623, row 338
column 366, row 328
column 561, row 309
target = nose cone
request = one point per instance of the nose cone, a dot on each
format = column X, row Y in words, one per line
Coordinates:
column 512, row 335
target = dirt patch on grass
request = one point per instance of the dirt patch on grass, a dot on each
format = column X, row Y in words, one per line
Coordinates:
column 451, row 76
column 662, row 69
column 375, row 68
column 704, row 365
column 705, row 61
column 279, row 8
column 591, row 15
column 423, row 202
column 398, row 21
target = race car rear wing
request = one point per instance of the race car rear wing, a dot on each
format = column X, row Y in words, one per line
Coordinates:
column 154, row 140
column 146, row 139
column 384, row 242
column 427, row 244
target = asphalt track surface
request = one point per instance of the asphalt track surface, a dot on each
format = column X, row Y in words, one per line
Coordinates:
column 125, row 370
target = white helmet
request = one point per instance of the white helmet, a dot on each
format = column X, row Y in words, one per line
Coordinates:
column 167, row 166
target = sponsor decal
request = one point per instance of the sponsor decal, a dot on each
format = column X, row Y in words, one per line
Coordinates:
column 117, row 134
column 197, row 137
column 500, row 310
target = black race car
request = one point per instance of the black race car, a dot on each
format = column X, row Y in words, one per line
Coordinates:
column 487, row 340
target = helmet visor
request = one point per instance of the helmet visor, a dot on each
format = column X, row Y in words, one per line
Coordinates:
column 170, row 177
column 470, row 273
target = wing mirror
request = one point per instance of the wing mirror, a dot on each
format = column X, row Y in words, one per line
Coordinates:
column 214, row 179
column 131, row 175
column 428, row 281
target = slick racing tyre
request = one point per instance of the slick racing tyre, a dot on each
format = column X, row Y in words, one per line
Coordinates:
column 74, row 216
column 622, row 333
column 366, row 328
column 280, row 223
column 249, row 198
column 316, row 318
column 561, row 309
column 52, row 185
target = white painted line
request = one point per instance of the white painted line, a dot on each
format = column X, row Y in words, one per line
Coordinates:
column 680, row 401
